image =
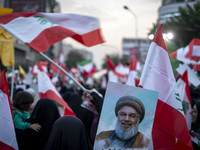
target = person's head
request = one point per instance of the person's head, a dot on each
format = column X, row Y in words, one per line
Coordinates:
column 130, row 112
column 68, row 132
column 195, row 116
column 31, row 91
column 22, row 101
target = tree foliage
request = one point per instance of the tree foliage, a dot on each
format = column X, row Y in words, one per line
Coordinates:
column 73, row 57
column 186, row 26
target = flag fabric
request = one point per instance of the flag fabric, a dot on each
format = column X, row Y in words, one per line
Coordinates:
column 169, row 129
column 132, row 74
column 110, row 63
column 6, row 48
column 41, row 30
column 86, row 67
column 7, row 131
column 22, row 71
column 113, row 70
column 194, row 50
column 184, row 91
column 48, row 90
column 4, row 11
column 103, row 82
column 181, row 53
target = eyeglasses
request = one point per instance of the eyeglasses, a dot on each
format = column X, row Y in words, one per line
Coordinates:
column 132, row 116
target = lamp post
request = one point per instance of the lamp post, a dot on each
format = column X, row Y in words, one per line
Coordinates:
column 136, row 28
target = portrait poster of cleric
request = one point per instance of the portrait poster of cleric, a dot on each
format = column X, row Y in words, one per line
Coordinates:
column 126, row 119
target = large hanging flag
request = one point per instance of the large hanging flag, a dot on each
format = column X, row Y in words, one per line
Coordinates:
column 184, row 91
column 41, row 30
column 7, row 131
column 47, row 89
column 169, row 130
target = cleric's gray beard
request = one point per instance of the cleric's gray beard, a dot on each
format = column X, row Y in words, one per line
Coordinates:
column 125, row 135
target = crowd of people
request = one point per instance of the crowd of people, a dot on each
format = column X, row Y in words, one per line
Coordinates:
column 40, row 126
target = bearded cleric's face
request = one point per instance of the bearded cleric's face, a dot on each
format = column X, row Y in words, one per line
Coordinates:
column 127, row 124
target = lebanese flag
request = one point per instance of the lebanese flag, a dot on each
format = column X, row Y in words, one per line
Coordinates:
column 7, row 131
column 132, row 73
column 184, row 91
column 41, row 30
column 113, row 68
column 194, row 50
column 47, row 90
column 169, row 129
column 181, row 53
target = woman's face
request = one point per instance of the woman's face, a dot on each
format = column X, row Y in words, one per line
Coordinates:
column 194, row 114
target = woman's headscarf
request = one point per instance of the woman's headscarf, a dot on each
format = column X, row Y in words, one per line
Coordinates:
column 45, row 113
column 196, row 125
column 68, row 133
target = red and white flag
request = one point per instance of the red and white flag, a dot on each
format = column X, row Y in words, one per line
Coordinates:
column 7, row 131
column 194, row 50
column 48, row 90
column 181, row 53
column 184, row 91
column 113, row 71
column 41, row 30
column 169, row 129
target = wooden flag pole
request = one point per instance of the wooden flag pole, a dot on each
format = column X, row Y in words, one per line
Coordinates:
column 49, row 59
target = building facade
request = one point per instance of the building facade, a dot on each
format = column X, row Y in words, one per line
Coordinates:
column 170, row 8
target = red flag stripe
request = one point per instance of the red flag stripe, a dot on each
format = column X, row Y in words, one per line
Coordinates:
column 158, row 39
column 48, row 37
column 4, row 146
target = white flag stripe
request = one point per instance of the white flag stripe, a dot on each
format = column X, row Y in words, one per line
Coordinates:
column 44, row 83
column 31, row 23
column 7, row 131
column 78, row 23
column 157, row 73
column 196, row 50
column 182, row 91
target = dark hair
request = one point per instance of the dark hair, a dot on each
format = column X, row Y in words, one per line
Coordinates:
column 22, row 101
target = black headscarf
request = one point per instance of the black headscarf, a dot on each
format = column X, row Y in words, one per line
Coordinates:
column 68, row 133
column 83, row 114
column 45, row 113
column 196, row 125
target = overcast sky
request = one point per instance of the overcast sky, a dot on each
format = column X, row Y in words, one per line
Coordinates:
column 116, row 22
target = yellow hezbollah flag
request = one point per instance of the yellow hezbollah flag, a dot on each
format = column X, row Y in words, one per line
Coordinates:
column 6, row 48
column 22, row 71
column 6, row 42
column 4, row 11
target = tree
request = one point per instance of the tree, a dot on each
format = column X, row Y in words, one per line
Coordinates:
column 73, row 57
column 114, row 58
column 185, row 26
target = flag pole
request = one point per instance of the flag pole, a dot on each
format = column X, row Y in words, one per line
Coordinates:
column 49, row 59
column 12, row 83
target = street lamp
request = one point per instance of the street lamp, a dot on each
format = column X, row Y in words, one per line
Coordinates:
column 136, row 29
